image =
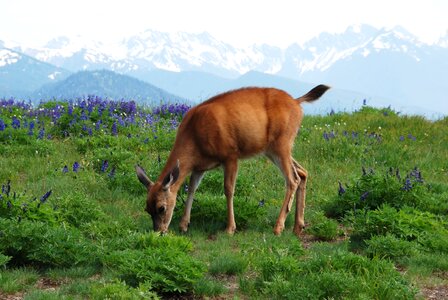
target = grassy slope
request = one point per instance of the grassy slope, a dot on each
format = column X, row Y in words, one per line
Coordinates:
column 253, row 262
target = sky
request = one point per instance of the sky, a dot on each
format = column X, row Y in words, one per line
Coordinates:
column 238, row 22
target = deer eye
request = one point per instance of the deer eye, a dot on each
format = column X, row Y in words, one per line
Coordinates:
column 161, row 209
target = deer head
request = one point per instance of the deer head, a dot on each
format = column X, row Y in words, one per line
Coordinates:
column 161, row 197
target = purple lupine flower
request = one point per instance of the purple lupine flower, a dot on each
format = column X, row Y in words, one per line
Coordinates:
column 112, row 172
column 31, row 127
column 6, row 188
column 401, row 138
column 364, row 196
column 411, row 137
column 75, row 166
column 364, row 102
column 326, row 137
column 41, row 134
column 261, row 203
column 2, row 125
column 332, row 112
column 407, row 185
column 341, row 190
column 104, row 166
column 65, row 169
column 15, row 123
column 114, row 128
column 45, row 196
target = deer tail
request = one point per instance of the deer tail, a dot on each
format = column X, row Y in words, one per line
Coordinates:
column 314, row 94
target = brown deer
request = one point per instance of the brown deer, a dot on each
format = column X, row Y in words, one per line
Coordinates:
column 230, row 126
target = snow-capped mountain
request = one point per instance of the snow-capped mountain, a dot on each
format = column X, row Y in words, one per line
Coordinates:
column 387, row 62
column 20, row 73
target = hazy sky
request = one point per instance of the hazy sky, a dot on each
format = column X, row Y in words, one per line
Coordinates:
column 239, row 22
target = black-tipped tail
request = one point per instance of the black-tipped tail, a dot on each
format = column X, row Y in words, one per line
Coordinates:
column 314, row 94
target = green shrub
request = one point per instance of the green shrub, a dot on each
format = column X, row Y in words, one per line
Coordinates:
column 373, row 190
column 77, row 210
column 34, row 242
column 119, row 290
column 389, row 246
column 148, row 261
column 408, row 224
column 4, row 260
column 330, row 273
column 323, row 228
column 19, row 206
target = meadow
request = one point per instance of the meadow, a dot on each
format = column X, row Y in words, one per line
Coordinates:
column 73, row 226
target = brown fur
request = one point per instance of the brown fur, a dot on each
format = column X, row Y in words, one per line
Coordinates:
column 230, row 126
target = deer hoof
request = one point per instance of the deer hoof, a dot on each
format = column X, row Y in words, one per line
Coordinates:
column 298, row 229
column 183, row 226
column 278, row 229
column 230, row 230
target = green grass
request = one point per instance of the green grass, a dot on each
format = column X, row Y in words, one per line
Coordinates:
column 92, row 238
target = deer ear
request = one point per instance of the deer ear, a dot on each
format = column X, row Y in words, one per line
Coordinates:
column 171, row 177
column 142, row 176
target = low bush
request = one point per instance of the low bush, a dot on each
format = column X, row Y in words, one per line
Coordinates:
column 373, row 190
column 34, row 242
column 331, row 274
column 173, row 271
column 389, row 246
column 323, row 228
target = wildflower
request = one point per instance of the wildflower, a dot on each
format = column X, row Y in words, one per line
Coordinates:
column 364, row 102
column 407, row 185
column 41, row 134
column 326, row 137
column 2, row 125
column 45, row 196
column 104, row 166
column 401, row 138
column 341, row 190
column 261, row 203
column 114, row 128
column 9, row 204
column 364, row 196
column 15, row 123
column 411, row 137
column 332, row 112
column 75, row 166
column 112, row 173
column 6, row 188
column 397, row 173
column 65, row 169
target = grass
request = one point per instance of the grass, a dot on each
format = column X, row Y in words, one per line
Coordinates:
column 92, row 239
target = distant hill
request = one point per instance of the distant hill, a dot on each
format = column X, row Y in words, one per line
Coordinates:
column 21, row 74
column 105, row 84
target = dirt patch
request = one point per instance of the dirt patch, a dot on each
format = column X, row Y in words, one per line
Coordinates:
column 15, row 296
column 435, row 292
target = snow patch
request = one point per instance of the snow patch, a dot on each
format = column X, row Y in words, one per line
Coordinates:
column 8, row 57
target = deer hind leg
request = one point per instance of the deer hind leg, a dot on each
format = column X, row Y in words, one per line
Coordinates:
column 286, row 165
column 299, row 223
column 230, row 173
column 195, row 180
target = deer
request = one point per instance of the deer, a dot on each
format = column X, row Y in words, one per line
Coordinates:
column 234, row 125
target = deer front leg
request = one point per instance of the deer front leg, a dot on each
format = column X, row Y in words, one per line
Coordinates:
column 195, row 180
column 230, row 173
